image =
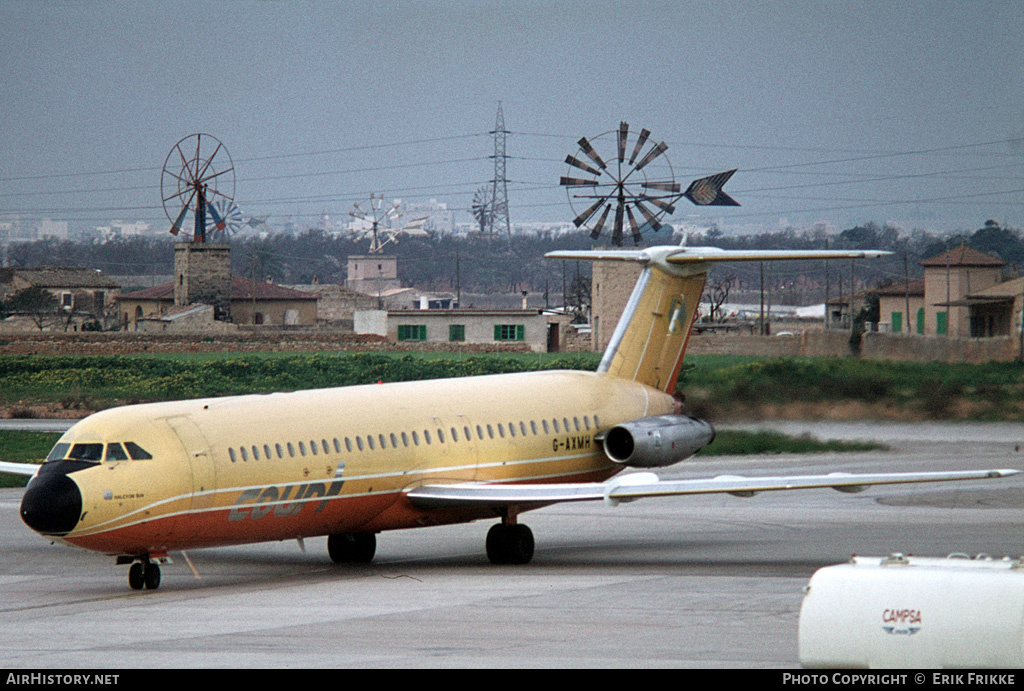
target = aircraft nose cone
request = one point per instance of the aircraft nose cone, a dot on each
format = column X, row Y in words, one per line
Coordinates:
column 52, row 503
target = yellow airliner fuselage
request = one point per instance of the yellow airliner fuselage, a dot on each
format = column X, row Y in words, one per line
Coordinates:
column 290, row 465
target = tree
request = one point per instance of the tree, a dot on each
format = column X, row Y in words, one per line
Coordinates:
column 36, row 303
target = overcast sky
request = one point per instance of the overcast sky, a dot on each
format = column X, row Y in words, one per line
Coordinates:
column 838, row 112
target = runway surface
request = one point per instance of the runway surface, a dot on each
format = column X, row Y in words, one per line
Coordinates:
column 710, row 581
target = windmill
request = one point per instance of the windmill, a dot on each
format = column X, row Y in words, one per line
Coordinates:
column 225, row 218
column 644, row 182
column 381, row 225
column 483, row 208
column 197, row 175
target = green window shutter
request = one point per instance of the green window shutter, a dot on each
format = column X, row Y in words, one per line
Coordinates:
column 920, row 321
column 897, row 322
column 520, row 332
column 941, row 323
column 412, row 332
column 497, row 332
column 456, row 332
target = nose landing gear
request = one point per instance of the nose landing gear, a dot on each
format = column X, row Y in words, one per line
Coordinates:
column 145, row 570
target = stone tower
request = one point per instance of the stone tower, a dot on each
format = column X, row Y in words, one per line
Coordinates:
column 202, row 273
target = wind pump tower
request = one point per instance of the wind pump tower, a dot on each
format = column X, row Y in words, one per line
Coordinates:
column 499, row 185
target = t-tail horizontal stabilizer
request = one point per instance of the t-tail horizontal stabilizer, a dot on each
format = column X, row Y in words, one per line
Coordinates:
column 650, row 338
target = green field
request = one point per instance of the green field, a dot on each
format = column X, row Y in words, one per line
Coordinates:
column 715, row 387
column 24, row 447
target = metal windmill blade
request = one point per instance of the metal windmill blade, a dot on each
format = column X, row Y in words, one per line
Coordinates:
column 640, row 189
column 483, row 208
column 225, row 218
column 197, row 172
column 622, row 186
column 378, row 223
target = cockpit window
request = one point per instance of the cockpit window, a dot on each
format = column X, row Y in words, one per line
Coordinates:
column 58, row 453
column 86, row 452
column 137, row 452
column 115, row 452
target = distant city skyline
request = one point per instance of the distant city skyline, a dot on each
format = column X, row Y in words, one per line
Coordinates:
column 835, row 113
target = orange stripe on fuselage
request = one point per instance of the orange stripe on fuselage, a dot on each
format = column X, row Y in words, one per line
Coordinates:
column 244, row 523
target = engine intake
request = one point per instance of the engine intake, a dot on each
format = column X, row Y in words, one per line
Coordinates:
column 657, row 441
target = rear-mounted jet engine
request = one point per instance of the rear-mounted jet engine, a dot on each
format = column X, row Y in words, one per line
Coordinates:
column 658, row 441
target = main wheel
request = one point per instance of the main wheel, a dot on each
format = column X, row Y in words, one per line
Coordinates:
column 352, row 548
column 510, row 544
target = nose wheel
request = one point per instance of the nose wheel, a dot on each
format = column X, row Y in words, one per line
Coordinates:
column 145, row 570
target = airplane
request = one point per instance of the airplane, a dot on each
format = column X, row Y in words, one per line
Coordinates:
column 141, row 481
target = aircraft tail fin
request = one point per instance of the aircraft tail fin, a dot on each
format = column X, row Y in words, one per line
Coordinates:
column 650, row 338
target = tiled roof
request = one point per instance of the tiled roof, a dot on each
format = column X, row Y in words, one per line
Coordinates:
column 964, row 255
column 912, row 288
column 60, row 277
column 241, row 289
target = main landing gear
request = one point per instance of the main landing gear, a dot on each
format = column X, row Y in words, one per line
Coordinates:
column 352, row 548
column 510, row 543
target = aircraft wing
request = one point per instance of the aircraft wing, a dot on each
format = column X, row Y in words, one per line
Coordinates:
column 18, row 468
column 634, row 486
